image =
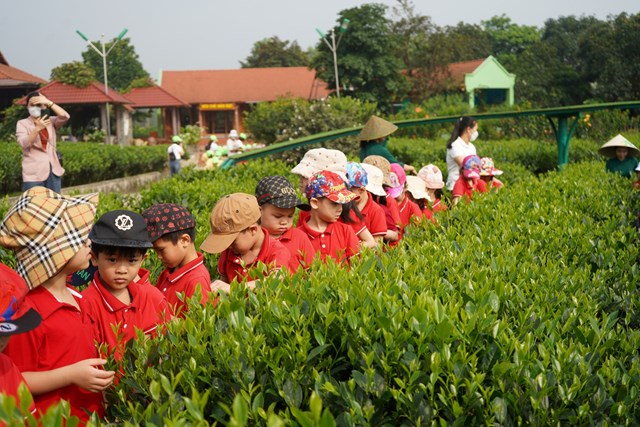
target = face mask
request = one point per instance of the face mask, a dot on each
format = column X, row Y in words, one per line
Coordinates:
column 474, row 135
column 34, row 111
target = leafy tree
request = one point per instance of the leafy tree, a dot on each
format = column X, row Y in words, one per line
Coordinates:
column 139, row 82
column 74, row 73
column 507, row 39
column 123, row 65
column 367, row 66
column 466, row 42
column 273, row 52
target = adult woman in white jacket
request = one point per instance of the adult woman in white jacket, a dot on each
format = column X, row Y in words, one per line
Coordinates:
column 460, row 145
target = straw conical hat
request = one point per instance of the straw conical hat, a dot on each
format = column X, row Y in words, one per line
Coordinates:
column 376, row 128
column 609, row 149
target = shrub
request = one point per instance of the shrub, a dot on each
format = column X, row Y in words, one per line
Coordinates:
column 85, row 163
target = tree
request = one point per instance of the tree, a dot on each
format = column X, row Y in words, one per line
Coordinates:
column 123, row 66
column 273, row 52
column 74, row 73
column 367, row 66
column 507, row 39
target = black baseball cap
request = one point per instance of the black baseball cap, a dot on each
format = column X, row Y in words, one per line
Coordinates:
column 121, row 228
column 16, row 316
column 278, row 191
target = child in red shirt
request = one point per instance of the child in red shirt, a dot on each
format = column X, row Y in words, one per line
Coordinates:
column 59, row 359
column 241, row 242
column 417, row 193
column 16, row 317
column 115, row 299
column 327, row 193
column 469, row 181
column 378, row 196
column 432, row 177
column 373, row 216
column 488, row 173
column 171, row 228
column 278, row 202
column 406, row 208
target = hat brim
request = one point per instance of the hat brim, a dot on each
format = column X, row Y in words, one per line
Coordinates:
column 376, row 189
column 216, row 243
column 304, row 171
column 122, row 243
column 289, row 202
column 434, row 185
column 343, row 196
column 30, row 320
column 610, row 151
column 471, row 174
column 418, row 194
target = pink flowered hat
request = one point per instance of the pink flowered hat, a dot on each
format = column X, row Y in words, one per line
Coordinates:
column 471, row 166
column 432, row 176
column 488, row 168
column 330, row 185
column 395, row 189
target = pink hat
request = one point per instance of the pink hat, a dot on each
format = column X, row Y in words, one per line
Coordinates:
column 396, row 188
column 488, row 168
column 319, row 159
column 399, row 171
column 432, row 176
column 417, row 188
column 471, row 167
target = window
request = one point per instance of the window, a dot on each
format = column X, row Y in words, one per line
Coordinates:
column 218, row 121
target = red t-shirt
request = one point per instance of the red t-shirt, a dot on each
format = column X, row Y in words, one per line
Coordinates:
column 356, row 223
column 10, row 379
column 438, row 206
column 394, row 210
column 272, row 253
column 64, row 337
column 464, row 189
column 407, row 210
column 374, row 218
column 184, row 280
column 300, row 248
column 303, row 216
column 338, row 241
column 148, row 308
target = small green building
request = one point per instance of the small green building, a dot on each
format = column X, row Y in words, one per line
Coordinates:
column 489, row 83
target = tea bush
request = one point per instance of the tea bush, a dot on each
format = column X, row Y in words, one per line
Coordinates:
column 85, row 163
column 521, row 308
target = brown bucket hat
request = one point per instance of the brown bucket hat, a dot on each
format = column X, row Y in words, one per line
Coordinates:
column 376, row 128
column 382, row 164
column 46, row 230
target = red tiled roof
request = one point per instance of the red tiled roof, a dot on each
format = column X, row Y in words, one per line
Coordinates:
column 10, row 76
column 153, row 97
column 457, row 70
column 65, row 94
column 244, row 85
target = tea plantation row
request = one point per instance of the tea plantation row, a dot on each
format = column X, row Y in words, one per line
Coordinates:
column 85, row 163
column 521, row 308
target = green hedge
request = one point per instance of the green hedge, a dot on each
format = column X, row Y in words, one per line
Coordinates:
column 85, row 163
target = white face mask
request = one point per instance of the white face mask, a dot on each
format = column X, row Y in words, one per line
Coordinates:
column 34, row 111
column 474, row 135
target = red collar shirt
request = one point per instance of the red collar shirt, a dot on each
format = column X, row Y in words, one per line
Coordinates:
column 338, row 241
column 300, row 248
column 10, row 379
column 272, row 253
column 438, row 206
column 464, row 189
column 184, row 280
column 407, row 210
column 64, row 337
column 394, row 210
column 356, row 223
column 37, row 157
column 374, row 218
column 147, row 310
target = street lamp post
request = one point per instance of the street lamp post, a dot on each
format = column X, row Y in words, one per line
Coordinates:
column 104, row 55
column 333, row 47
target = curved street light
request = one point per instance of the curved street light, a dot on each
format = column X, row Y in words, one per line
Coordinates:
column 333, row 46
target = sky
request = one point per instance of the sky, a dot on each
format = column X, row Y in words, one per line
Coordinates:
column 38, row 35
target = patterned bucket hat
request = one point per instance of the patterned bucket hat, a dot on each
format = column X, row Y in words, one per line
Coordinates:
column 319, row 159
column 46, row 230
column 382, row 164
column 330, row 185
column 165, row 218
column 356, row 175
column 488, row 168
column 471, row 166
column 432, row 176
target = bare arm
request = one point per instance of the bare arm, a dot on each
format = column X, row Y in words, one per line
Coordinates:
column 84, row 374
column 366, row 239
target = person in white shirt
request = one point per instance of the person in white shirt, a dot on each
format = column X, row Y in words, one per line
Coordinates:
column 460, row 145
column 176, row 152
column 234, row 144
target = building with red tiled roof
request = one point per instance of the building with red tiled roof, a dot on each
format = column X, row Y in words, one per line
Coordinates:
column 156, row 97
column 15, row 83
column 219, row 97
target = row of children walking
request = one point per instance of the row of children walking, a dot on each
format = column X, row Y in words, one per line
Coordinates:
column 54, row 328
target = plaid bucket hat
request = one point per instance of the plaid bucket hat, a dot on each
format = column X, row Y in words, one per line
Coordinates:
column 165, row 218
column 278, row 191
column 45, row 230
